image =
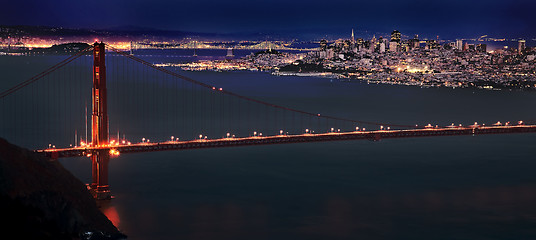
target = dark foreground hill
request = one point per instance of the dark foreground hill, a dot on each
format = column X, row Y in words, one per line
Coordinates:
column 39, row 199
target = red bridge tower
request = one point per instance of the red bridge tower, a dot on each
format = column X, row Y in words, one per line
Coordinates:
column 99, row 126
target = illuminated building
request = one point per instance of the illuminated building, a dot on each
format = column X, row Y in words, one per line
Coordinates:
column 383, row 44
column 459, row 44
column 521, row 46
column 230, row 52
column 414, row 43
column 396, row 36
column 372, row 46
column 393, row 46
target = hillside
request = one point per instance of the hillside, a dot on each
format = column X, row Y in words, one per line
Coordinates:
column 42, row 200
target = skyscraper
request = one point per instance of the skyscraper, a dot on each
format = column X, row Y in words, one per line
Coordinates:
column 459, row 44
column 414, row 43
column 372, row 46
column 521, row 46
column 396, row 36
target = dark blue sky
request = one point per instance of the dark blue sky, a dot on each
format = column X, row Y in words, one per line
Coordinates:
column 448, row 19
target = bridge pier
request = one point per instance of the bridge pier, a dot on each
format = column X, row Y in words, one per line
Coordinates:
column 99, row 187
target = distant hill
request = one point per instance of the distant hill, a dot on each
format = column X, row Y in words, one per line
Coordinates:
column 125, row 32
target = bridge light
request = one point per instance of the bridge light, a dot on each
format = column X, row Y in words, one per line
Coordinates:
column 114, row 153
column 172, row 137
column 255, row 133
column 381, row 127
column 200, row 136
column 228, row 135
column 388, row 128
column 307, row 130
column 357, row 128
column 143, row 140
column 280, row 132
column 331, row 129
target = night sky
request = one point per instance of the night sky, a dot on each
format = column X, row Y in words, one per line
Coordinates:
column 448, row 19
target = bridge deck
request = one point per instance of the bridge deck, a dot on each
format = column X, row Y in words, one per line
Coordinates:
column 283, row 139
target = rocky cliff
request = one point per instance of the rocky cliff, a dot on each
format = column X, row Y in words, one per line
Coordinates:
column 39, row 199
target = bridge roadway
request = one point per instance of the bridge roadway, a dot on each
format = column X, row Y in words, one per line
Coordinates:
column 282, row 139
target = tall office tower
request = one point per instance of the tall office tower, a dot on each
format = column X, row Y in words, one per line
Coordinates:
column 372, row 46
column 414, row 43
column 459, row 44
column 396, row 36
column 353, row 37
column 521, row 46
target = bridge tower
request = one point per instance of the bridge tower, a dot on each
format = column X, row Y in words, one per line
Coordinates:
column 99, row 125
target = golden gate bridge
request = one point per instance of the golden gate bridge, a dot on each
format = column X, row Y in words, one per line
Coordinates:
column 156, row 101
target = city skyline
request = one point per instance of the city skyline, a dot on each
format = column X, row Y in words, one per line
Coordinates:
column 457, row 19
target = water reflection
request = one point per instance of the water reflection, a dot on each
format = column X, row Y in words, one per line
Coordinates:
column 110, row 212
column 472, row 213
